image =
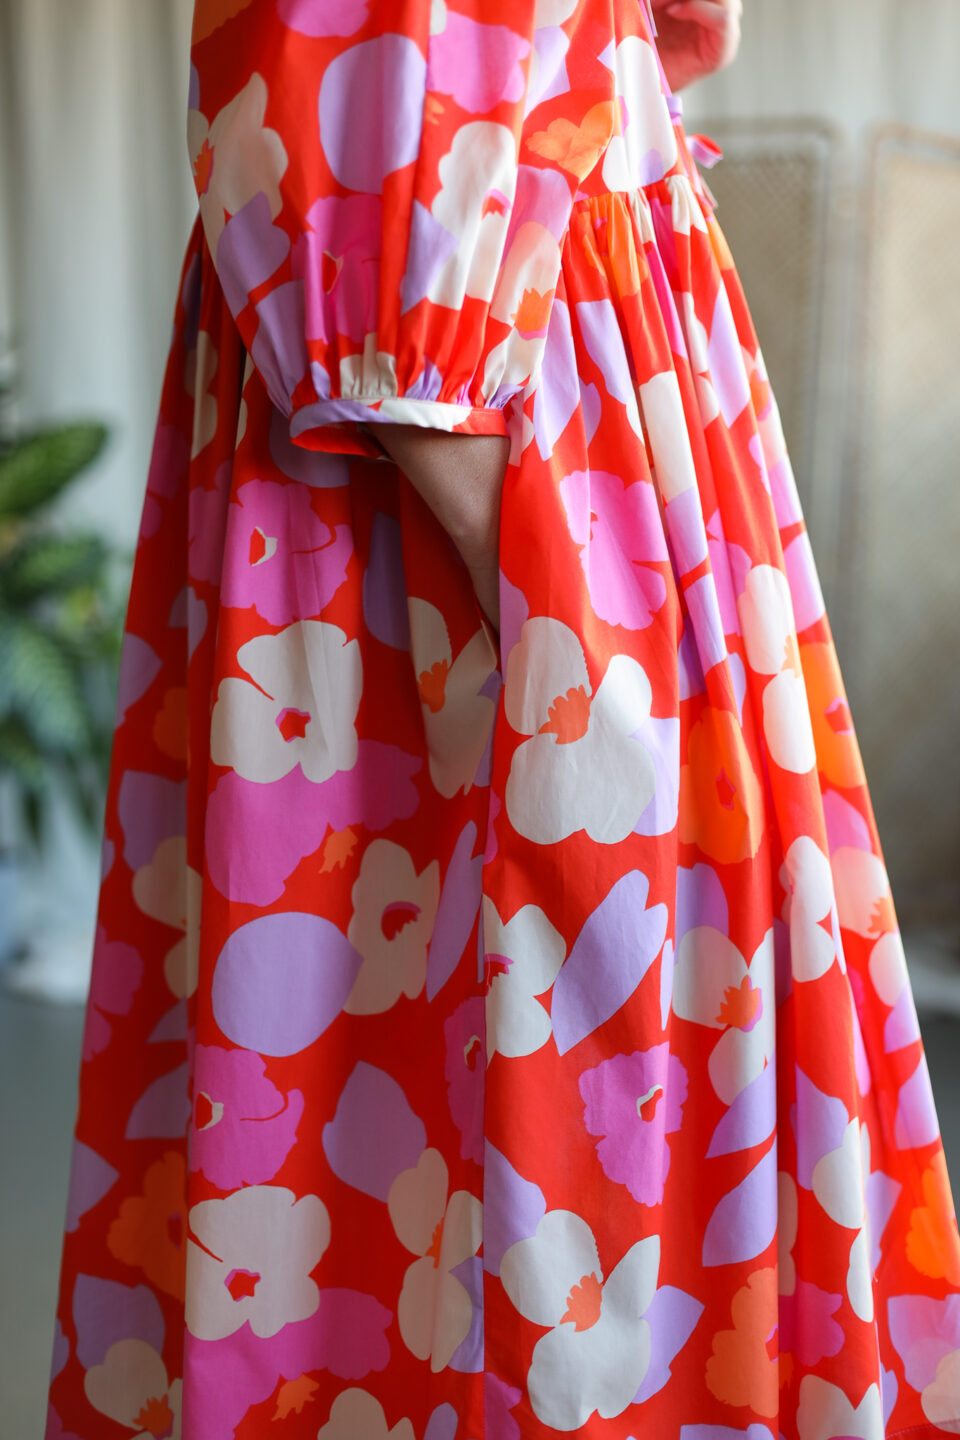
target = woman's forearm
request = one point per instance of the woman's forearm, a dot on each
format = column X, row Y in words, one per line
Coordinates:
column 461, row 478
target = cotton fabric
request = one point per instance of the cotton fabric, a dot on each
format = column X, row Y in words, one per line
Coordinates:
column 489, row 1036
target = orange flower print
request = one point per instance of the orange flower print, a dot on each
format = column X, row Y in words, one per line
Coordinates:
column 568, row 716
column 740, row 1004
column 742, row 1370
column 337, row 849
column 432, row 683
column 211, row 14
column 583, row 1303
column 533, row 312
column 721, row 804
column 293, row 1395
column 170, row 727
column 933, row 1246
column 203, row 167
column 577, row 148
column 149, row 1230
column 838, row 754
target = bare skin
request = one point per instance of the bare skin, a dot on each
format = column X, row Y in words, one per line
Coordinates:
column 461, row 476
column 696, row 37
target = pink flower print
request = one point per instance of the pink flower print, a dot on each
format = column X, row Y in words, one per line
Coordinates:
column 243, row 1126
column 282, row 558
column 634, row 1102
column 478, row 64
column 621, row 533
column 116, row 979
column 464, row 1068
column 338, row 261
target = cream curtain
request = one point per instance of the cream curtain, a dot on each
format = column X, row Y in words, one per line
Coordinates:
column 854, row 62
column 96, row 202
column 95, row 206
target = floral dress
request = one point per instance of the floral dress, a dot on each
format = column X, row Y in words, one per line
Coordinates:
column 491, row 1037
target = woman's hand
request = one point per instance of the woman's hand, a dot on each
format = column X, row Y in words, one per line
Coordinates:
column 460, row 477
column 696, row 37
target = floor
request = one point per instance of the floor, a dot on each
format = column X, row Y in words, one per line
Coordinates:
column 39, row 1059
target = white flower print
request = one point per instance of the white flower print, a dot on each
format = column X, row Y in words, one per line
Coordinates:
column 939, row 1397
column 168, row 889
column 768, row 623
column 523, row 957
column 582, row 768
column 597, row 1350
column 864, row 901
column 788, row 1223
column 647, row 146
column 434, row 1311
column 837, row 1179
column 235, row 158
column 199, row 372
column 456, row 717
column 824, row 1411
column 766, row 618
column 131, row 1387
column 480, row 163
column 394, row 908
column 808, row 880
column 786, row 722
column 298, row 707
column 256, row 1250
column 713, row 985
column 356, row 1415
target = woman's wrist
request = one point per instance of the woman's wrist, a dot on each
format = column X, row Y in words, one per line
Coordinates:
column 460, row 477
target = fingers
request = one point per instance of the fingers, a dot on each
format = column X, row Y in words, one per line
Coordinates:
column 712, row 14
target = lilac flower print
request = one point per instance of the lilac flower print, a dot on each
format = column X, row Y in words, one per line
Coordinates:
column 633, row 1102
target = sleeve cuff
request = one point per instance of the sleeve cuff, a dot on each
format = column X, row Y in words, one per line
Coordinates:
column 334, row 424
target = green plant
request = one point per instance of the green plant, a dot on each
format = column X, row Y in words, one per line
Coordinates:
column 60, row 631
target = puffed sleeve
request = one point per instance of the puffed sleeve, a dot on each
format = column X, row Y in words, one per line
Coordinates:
column 357, row 166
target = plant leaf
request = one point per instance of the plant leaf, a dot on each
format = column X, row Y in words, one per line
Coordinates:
column 40, row 465
column 46, row 564
column 40, row 686
column 19, row 755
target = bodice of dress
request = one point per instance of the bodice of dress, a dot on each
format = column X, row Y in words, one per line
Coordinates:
column 400, row 261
